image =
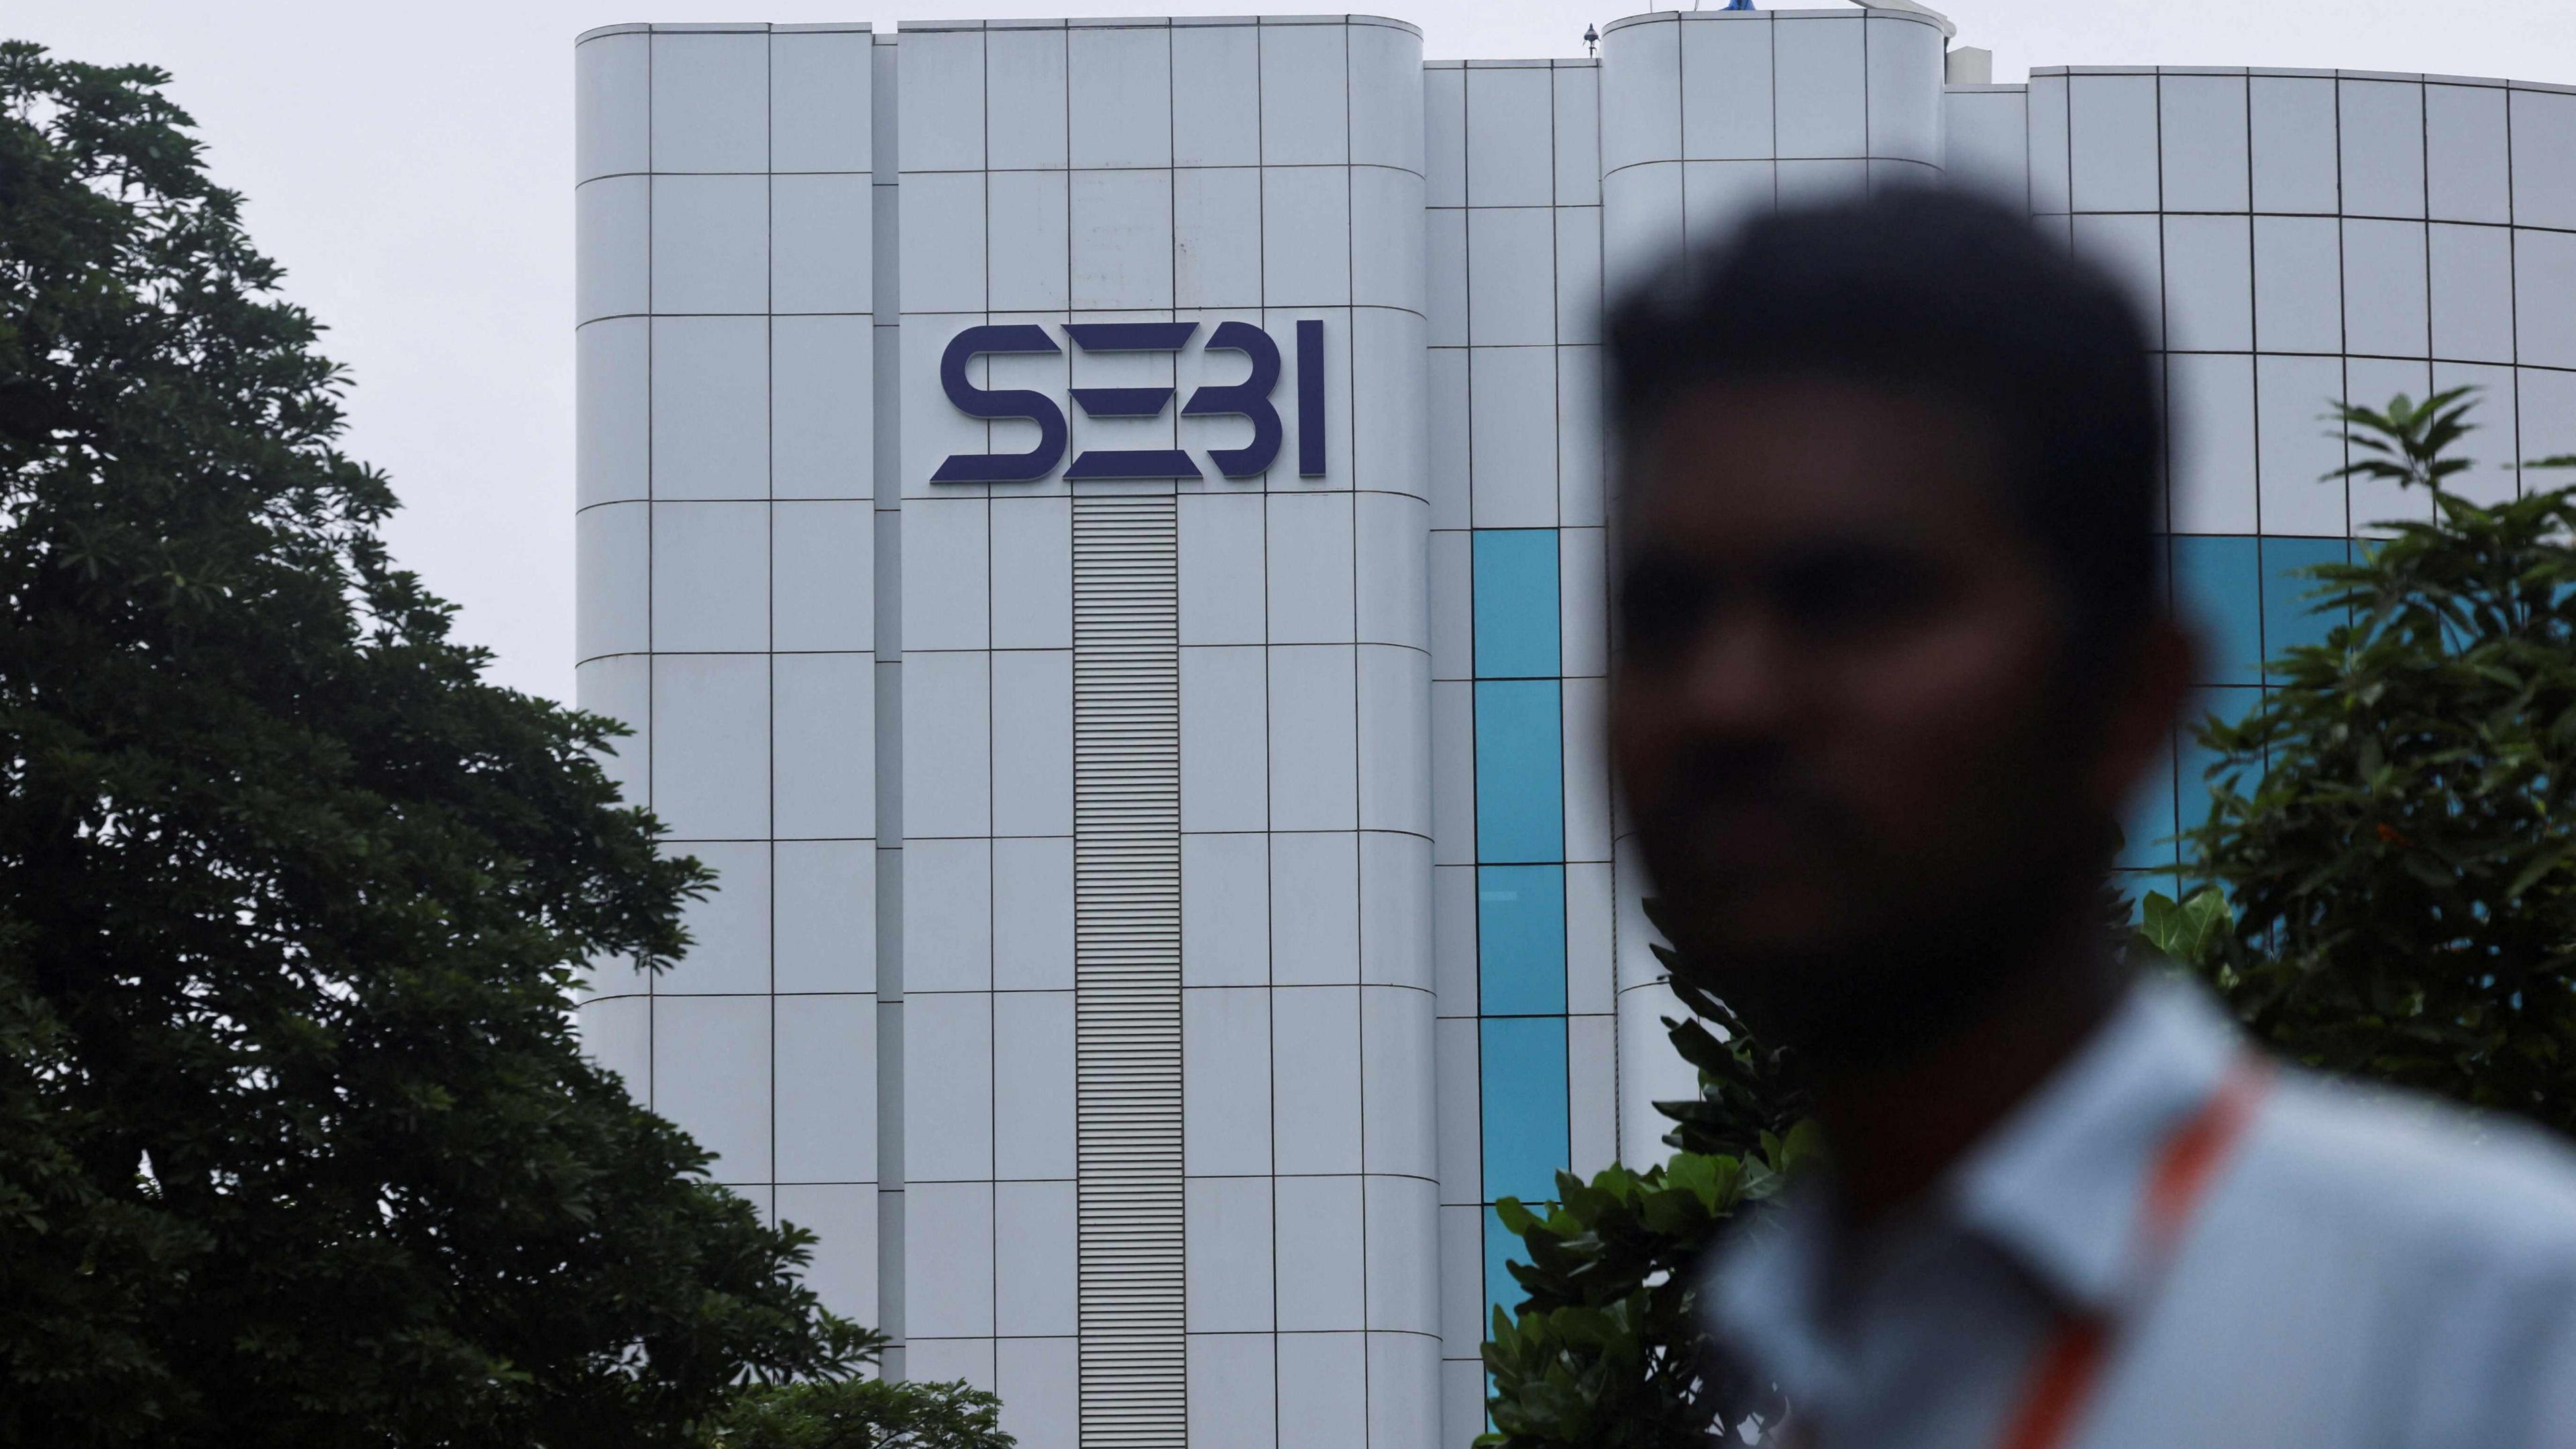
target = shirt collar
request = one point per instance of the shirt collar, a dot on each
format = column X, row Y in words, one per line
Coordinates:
column 2055, row 1186
column 2059, row 1184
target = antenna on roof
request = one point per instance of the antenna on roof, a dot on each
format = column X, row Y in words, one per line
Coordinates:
column 1591, row 39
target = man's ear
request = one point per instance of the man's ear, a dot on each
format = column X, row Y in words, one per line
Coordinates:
column 2143, row 699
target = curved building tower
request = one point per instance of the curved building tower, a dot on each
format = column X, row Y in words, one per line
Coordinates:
column 1099, row 531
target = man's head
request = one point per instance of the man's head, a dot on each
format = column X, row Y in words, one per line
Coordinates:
column 1890, row 657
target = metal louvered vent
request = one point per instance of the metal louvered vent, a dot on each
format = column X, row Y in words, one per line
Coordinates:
column 1127, row 969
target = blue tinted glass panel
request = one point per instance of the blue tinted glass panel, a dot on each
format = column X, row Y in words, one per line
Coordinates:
column 2290, row 615
column 2231, row 705
column 1520, row 771
column 1516, row 608
column 2217, row 588
column 1502, row 1290
column 1520, row 940
column 1525, row 1117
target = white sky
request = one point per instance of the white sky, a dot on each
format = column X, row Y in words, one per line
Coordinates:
column 411, row 167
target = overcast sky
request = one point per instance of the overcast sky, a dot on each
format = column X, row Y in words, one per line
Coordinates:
column 411, row 166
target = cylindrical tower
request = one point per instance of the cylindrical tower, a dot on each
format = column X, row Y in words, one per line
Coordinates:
column 1706, row 116
column 1166, row 881
column 724, row 534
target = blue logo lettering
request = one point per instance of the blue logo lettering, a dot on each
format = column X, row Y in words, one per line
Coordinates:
column 1249, row 398
column 1129, row 402
column 975, row 402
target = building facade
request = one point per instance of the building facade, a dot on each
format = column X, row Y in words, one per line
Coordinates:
column 1097, row 528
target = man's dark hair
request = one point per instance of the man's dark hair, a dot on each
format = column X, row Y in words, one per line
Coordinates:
column 1941, row 293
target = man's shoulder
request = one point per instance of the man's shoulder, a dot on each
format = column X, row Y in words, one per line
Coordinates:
column 2411, row 1172
column 2425, row 1257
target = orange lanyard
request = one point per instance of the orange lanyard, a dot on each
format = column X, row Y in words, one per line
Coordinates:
column 2070, row 1364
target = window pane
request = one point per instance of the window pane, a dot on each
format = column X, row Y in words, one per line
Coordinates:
column 2290, row 615
column 1525, row 1116
column 1520, row 771
column 1520, row 940
column 2216, row 589
column 1502, row 1290
column 1516, row 605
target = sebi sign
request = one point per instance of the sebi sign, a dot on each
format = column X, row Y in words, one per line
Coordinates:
column 1249, row 398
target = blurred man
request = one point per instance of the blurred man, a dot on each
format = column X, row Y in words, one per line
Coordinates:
column 1891, row 662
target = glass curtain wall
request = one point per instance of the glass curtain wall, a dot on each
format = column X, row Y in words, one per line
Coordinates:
column 1520, row 878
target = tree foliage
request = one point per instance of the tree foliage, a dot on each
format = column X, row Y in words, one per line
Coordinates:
column 296, row 1144
column 857, row 1413
column 1607, row 1348
column 2392, row 830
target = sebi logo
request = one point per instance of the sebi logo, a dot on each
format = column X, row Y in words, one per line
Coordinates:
column 1249, row 398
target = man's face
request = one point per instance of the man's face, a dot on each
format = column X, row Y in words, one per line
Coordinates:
column 1841, row 714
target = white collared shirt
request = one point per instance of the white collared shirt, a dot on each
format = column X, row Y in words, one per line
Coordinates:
column 2366, row 1269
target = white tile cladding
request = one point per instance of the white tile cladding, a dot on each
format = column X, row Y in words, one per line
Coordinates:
column 1059, row 500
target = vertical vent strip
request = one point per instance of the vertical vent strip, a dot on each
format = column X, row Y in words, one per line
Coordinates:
column 1127, row 969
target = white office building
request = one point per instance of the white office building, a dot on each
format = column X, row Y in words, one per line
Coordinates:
column 1097, row 527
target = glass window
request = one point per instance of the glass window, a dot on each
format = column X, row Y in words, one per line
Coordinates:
column 1526, row 1142
column 1520, row 771
column 1520, row 940
column 1516, row 604
column 2290, row 613
column 1502, row 1290
column 2217, row 590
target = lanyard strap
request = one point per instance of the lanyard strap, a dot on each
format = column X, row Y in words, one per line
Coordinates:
column 2069, row 1365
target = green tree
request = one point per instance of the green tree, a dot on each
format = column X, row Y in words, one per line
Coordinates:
column 2392, row 830
column 296, row 1144
column 862, row 1414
